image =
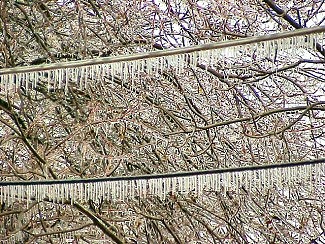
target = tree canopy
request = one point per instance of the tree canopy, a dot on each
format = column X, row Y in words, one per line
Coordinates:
column 249, row 106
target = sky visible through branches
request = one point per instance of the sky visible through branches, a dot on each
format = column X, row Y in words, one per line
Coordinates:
column 243, row 107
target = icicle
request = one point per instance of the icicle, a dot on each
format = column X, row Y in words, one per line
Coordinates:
column 291, row 176
column 168, row 63
column 102, row 189
column 192, row 59
column 283, row 43
column 51, row 193
column 95, row 191
column 123, row 71
column 67, row 73
column 107, row 70
column 316, row 37
column 156, row 67
column 16, row 80
column 173, row 185
column 88, row 191
column 55, row 79
column 2, row 194
column 158, row 186
column 131, row 191
column 136, row 71
column 198, row 184
column 144, row 188
column 166, row 185
column 224, row 182
column 2, row 78
column 9, row 82
column 122, row 190
column 57, row 193
column 93, row 194
column 180, row 182
column 113, row 190
column 150, row 186
column 300, row 42
column 19, row 81
column 287, row 44
column 83, row 77
column 151, row 64
column 268, row 49
column 131, row 74
column 216, row 183
column 183, row 62
column 3, row 82
column 188, row 187
column 20, row 193
column 318, row 172
column 59, row 77
column 111, row 68
column 210, row 180
column 297, row 173
column 66, row 191
column 98, row 71
column 125, row 192
column 79, row 192
column 31, row 78
column 294, row 44
column 49, row 76
column 312, row 42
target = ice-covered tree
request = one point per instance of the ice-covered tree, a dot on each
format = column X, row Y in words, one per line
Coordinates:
column 255, row 105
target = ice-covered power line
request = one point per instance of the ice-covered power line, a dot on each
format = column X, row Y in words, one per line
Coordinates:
column 172, row 52
column 59, row 75
column 119, row 188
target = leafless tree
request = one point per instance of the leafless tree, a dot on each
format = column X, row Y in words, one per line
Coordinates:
column 235, row 112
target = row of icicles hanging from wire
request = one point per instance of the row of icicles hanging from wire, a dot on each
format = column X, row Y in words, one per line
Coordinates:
column 131, row 67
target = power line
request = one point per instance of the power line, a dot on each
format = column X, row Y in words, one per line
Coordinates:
column 166, row 175
column 164, row 53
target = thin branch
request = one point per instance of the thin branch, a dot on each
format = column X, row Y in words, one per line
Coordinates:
column 99, row 223
column 63, row 231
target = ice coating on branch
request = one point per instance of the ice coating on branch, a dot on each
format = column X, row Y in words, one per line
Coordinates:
column 130, row 72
